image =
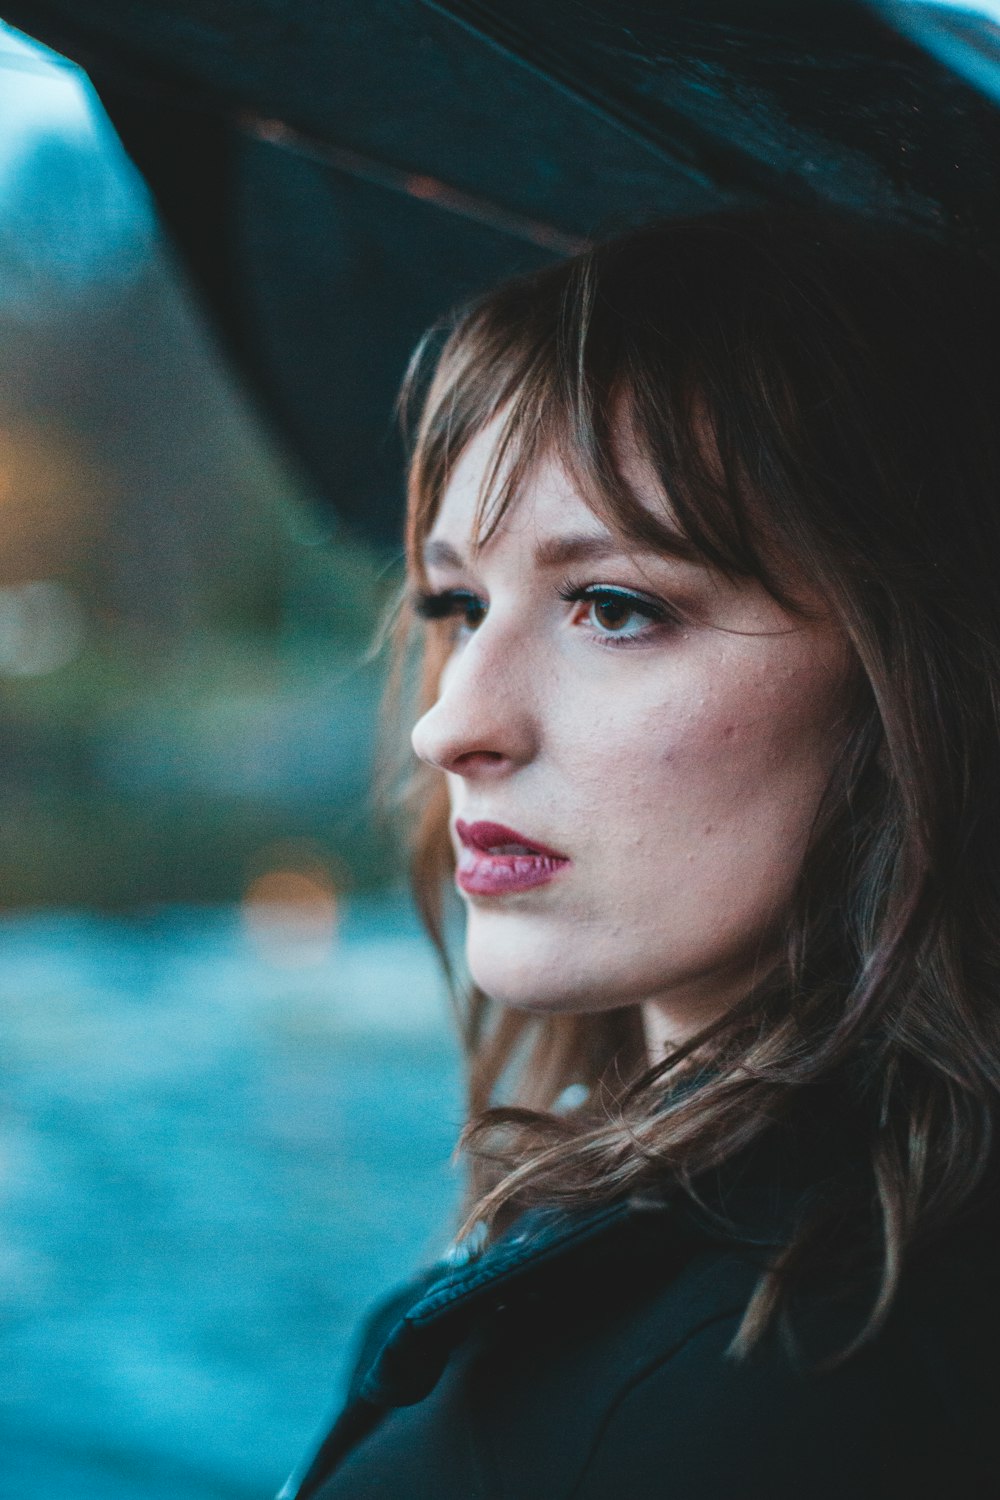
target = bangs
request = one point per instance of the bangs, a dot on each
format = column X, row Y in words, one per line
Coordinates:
column 574, row 365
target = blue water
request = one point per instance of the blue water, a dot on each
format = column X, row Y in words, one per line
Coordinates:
column 213, row 1156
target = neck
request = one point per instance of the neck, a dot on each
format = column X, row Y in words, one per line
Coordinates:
column 672, row 1019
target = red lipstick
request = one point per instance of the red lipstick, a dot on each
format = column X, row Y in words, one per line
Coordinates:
column 495, row 860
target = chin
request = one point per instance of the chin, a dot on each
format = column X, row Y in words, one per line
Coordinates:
column 523, row 964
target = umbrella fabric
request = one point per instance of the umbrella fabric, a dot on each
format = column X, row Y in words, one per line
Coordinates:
column 337, row 176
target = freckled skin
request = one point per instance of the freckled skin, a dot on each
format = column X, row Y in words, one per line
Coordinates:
column 679, row 772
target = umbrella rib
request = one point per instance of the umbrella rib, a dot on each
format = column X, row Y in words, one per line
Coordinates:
column 412, row 184
column 711, row 162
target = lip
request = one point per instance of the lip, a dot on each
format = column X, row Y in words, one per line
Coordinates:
column 483, row 872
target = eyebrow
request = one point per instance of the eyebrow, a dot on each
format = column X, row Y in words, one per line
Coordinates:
column 553, row 552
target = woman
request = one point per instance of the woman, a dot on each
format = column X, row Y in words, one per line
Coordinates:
column 704, row 530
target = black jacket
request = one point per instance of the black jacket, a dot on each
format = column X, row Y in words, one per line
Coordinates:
column 584, row 1357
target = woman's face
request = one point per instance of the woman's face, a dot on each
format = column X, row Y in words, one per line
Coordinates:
column 635, row 750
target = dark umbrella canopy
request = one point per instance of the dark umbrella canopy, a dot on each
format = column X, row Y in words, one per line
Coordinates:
column 336, row 176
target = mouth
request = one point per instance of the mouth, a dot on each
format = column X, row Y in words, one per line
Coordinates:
column 496, row 860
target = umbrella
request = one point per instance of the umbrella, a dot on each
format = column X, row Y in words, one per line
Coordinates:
column 336, row 176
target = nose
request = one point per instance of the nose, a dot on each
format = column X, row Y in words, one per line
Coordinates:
column 485, row 719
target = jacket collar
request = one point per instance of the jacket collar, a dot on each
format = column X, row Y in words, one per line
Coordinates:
column 537, row 1253
column 749, row 1200
column 416, row 1352
column 542, row 1243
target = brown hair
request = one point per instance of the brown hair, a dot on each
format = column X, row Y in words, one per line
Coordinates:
column 820, row 397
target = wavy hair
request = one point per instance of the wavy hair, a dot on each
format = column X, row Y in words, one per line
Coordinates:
column 820, row 399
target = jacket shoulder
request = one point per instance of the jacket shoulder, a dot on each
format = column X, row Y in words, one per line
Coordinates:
column 910, row 1414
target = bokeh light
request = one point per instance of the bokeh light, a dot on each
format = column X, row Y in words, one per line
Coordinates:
column 290, row 914
column 41, row 628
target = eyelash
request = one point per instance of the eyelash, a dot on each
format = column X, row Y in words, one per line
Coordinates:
column 653, row 610
column 450, row 604
column 446, row 604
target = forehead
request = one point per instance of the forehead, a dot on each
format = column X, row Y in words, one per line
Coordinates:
column 547, row 499
column 547, row 503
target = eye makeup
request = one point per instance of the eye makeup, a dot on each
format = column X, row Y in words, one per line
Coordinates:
column 612, row 606
column 610, row 609
column 450, row 604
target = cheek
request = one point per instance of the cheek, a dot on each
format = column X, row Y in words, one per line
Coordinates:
column 718, row 747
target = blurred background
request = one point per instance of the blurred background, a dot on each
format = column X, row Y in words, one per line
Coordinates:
column 227, row 1087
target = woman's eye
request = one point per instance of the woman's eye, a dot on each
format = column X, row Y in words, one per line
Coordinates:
column 617, row 613
column 612, row 613
column 466, row 609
